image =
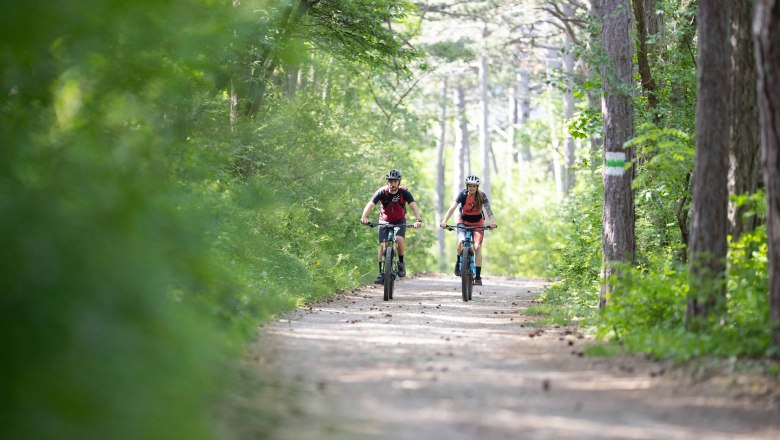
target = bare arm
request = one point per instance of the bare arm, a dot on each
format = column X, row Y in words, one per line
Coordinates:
column 449, row 214
column 489, row 211
column 417, row 215
column 366, row 211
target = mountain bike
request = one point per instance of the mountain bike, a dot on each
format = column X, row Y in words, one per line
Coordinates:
column 468, row 268
column 389, row 259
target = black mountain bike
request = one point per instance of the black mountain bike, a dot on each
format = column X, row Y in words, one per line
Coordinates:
column 468, row 268
column 389, row 257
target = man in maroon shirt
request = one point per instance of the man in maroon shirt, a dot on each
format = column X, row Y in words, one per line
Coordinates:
column 393, row 199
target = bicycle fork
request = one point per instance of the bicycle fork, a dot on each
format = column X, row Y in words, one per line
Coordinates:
column 392, row 260
column 467, row 260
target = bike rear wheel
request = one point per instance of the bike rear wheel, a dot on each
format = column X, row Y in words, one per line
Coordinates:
column 389, row 255
column 467, row 281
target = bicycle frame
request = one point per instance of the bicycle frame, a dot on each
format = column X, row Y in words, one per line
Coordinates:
column 389, row 250
column 472, row 266
column 468, row 268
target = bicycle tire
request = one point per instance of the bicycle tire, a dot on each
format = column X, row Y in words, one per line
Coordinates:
column 472, row 256
column 388, row 284
column 465, row 274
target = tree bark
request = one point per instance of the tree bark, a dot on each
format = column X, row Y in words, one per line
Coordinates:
column 461, row 140
column 568, row 106
column 484, row 130
column 513, row 110
column 440, row 196
column 707, row 252
column 744, row 153
column 643, row 55
column 766, row 29
column 618, row 217
column 525, row 114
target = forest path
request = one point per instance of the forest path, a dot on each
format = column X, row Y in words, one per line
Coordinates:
column 427, row 365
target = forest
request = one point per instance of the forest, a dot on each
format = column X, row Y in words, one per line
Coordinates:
column 173, row 174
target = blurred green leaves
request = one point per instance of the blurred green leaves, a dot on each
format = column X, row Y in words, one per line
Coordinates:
column 143, row 234
column 94, row 239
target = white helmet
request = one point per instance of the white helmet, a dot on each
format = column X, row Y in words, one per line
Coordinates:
column 472, row 180
column 393, row 175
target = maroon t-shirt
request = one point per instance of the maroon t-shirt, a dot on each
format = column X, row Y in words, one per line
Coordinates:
column 393, row 206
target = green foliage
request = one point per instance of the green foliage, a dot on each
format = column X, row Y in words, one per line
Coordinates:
column 647, row 312
column 528, row 234
column 451, row 51
column 662, row 192
column 102, row 265
column 578, row 260
column 585, row 124
column 144, row 236
column 358, row 30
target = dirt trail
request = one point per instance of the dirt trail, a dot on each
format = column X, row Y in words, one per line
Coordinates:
column 426, row 365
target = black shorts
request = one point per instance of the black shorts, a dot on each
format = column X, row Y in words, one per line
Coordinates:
column 384, row 229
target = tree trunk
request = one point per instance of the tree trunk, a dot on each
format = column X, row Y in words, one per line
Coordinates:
column 327, row 80
column 233, row 107
column 595, row 140
column 461, row 140
column 707, row 251
column 643, row 52
column 440, row 196
column 766, row 29
column 618, row 239
column 525, row 114
column 269, row 60
column 484, row 130
column 744, row 150
column 291, row 77
column 513, row 110
column 568, row 107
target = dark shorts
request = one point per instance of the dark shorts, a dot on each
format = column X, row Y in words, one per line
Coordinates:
column 384, row 229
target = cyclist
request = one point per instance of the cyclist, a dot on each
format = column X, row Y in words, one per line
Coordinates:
column 393, row 198
column 473, row 205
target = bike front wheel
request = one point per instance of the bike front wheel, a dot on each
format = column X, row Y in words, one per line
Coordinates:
column 467, row 281
column 388, row 275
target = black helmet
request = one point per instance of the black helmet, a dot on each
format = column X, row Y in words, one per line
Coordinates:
column 393, row 175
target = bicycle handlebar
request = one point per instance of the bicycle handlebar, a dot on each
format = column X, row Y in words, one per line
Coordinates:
column 467, row 228
column 374, row 225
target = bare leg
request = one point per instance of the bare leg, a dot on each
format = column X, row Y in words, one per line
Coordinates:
column 400, row 241
column 380, row 252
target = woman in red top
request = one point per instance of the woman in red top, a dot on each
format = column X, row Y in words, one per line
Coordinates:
column 474, row 205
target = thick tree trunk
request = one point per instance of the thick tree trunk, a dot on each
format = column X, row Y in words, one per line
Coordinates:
column 744, row 153
column 707, row 251
column 440, row 196
column 766, row 29
column 618, row 236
